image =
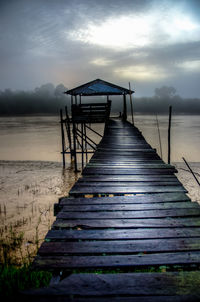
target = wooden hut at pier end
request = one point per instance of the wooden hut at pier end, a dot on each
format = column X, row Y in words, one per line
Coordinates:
column 99, row 87
column 83, row 114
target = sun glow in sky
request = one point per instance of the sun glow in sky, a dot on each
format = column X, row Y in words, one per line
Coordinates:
column 120, row 32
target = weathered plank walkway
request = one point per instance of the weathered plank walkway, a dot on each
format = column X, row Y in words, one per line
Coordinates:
column 156, row 228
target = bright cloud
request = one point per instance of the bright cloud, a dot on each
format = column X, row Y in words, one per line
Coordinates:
column 142, row 73
column 137, row 31
column 101, row 62
column 190, row 65
column 122, row 32
column 180, row 28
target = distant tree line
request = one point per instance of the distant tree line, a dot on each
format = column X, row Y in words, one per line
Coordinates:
column 48, row 99
column 163, row 98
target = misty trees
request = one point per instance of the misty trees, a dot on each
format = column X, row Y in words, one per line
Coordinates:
column 165, row 92
column 49, row 90
column 44, row 99
column 48, row 99
column 59, row 90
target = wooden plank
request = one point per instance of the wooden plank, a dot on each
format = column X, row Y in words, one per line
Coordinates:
column 120, row 171
column 120, row 246
column 119, row 149
column 81, row 183
column 126, row 154
column 123, row 146
column 116, row 143
column 151, row 153
column 168, row 222
column 131, row 178
column 124, row 141
column 131, row 214
column 135, row 138
column 113, row 286
column 141, row 233
column 129, row 132
column 125, row 151
column 81, row 190
column 88, row 205
column 121, row 160
column 120, row 141
column 129, row 166
column 150, row 198
column 41, row 297
column 128, row 159
column 115, row 261
column 131, row 207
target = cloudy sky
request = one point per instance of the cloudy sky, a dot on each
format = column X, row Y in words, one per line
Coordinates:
column 149, row 43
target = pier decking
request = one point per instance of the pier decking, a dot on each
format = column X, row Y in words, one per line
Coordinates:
column 155, row 229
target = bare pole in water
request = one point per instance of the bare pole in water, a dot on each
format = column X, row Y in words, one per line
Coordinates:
column 191, row 171
column 169, row 135
column 159, row 136
column 131, row 102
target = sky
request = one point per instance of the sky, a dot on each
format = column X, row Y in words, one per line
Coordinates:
column 147, row 43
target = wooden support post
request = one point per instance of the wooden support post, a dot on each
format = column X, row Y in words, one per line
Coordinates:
column 82, row 146
column 107, row 114
column 131, row 102
column 169, row 135
column 74, row 143
column 68, row 131
column 85, row 135
column 124, row 115
column 63, row 137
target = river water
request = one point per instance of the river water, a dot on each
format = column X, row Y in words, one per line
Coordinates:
column 32, row 178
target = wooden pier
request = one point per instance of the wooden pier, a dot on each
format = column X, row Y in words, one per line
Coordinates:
column 145, row 247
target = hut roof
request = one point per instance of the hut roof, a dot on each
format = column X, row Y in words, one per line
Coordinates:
column 98, row 87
